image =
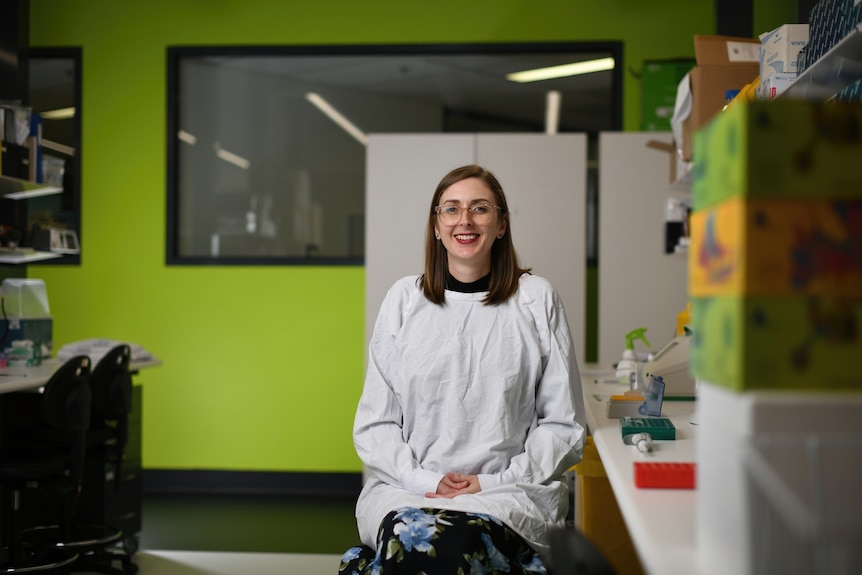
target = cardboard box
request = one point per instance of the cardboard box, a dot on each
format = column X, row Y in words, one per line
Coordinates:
column 659, row 81
column 777, row 342
column 782, row 148
column 780, row 48
column 723, row 63
column 777, row 482
column 777, row 247
column 774, row 85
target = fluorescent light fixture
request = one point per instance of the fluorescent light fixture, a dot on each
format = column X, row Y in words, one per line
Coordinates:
column 562, row 71
column 58, row 114
column 336, row 117
column 189, row 139
column 230, row 157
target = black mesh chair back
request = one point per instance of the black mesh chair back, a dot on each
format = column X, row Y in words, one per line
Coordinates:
column 111, row 385
column 64, row 409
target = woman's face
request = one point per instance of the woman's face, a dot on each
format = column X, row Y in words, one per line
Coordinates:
column 468, row 239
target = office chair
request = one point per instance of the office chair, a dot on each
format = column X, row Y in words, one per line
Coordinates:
column 64, row 408
column 97, row 544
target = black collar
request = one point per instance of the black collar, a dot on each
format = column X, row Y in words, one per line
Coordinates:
column 480, row 285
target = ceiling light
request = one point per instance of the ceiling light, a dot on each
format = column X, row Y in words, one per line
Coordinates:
column 336, row 117
column 58, row 114
column 186, row 137
column 231, row 158
column 562, row 71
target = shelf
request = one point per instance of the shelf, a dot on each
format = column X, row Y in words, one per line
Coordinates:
column 835, row 70
column 25, row 256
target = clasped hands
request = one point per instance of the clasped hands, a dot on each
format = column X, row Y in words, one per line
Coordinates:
column 454, row 484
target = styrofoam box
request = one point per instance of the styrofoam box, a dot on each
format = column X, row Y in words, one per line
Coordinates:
column 778, row 484
column 780, row 48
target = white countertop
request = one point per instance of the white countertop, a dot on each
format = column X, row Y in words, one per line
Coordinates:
column 26, row 378
column 661, row 522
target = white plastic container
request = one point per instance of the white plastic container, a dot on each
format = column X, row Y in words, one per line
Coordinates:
column 778, row 484
column 25, row 298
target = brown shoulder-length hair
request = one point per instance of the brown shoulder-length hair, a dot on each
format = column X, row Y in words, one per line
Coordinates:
column 505, row 269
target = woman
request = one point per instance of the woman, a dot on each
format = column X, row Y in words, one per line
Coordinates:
column 472, row 409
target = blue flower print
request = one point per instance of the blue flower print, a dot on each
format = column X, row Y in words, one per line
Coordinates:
column 350, row 554
column 498, row 560
column 486, row 517
column 535, row 565
column 476, row 567
column 415, row 530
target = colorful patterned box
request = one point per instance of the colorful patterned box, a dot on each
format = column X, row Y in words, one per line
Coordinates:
column 777, row 247
column 779, row 148
column 748, row 343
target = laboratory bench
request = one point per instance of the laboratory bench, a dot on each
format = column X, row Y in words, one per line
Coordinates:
column 660, row 521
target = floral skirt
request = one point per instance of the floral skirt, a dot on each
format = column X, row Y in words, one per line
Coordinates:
column 438, row 542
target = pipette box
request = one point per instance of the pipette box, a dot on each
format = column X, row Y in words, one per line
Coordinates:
column 778, row 149
column 777, row 247
column 657, row 427
column 772, row 342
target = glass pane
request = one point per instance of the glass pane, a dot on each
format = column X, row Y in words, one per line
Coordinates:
column 55, row 94
column 268, row 152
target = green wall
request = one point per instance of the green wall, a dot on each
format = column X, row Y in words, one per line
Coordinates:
column 262, row 365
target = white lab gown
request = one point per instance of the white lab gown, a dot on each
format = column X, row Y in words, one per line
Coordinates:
column 475, row 389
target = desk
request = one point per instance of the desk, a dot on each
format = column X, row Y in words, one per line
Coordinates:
column 661, row 522
column 28, row 378
column 109, row 501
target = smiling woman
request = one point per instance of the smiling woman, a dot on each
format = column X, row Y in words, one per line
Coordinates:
column 266, row 146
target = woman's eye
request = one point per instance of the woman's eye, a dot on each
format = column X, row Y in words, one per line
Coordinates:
column 479, row 209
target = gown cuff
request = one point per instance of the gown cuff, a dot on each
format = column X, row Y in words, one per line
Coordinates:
column 421, row 481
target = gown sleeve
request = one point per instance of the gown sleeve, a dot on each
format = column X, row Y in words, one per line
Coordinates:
column 377, row 428
column 556, row 441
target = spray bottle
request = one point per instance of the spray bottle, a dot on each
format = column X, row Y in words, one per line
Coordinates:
column 627, row 368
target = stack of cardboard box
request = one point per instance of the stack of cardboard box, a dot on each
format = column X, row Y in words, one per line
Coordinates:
column 775, row 281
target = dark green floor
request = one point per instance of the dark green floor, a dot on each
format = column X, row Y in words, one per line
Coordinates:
column 248, row 523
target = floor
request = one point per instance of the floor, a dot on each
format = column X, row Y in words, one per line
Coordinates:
column 215, row 535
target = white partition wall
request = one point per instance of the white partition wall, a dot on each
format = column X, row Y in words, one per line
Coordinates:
column 544, row 178
column 639, row 285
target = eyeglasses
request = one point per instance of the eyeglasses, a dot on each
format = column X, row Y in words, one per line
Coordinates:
column 450, row 214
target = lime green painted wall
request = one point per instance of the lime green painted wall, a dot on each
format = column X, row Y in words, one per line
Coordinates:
column 262, row 365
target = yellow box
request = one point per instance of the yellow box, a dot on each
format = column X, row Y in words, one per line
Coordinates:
column 789, row 246
column 598, row 516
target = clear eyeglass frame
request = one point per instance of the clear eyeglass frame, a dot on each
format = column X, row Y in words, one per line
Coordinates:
column 480, row 213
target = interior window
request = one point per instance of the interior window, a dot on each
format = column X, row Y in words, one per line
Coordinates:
column 266, row 146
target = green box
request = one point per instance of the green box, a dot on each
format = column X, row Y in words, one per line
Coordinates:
column 659, row 83
column 657, row 427
column 777, row 342
column 780, row 148
column 38, row 331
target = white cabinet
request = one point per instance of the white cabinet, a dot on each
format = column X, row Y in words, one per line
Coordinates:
column 639, row 286
column 544, row 178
